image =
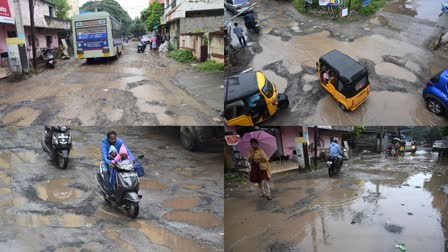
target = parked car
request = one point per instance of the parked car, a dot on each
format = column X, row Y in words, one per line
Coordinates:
column 236, row 5
column 146, row 39
column 436, row 93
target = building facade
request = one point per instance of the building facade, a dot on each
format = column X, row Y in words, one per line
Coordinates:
column 47, row 25
column 187, row 16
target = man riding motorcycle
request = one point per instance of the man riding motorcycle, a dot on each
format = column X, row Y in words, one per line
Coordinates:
column 111, row 139
column 335, row 150
column 249, row 20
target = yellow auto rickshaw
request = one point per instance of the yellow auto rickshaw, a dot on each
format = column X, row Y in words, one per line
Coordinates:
column 344, row 78
column 251, row 99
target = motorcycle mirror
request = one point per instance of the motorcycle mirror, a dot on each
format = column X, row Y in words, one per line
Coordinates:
column 140, row 156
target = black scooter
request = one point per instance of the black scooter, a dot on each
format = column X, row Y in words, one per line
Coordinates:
column 141, row 47
column 57, row 142
column 49, row 57
column 250, row 22
column 334, row 164
column 125, row 193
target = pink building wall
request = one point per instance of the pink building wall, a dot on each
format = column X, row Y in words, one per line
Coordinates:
column 288, row 135
column 41, row 34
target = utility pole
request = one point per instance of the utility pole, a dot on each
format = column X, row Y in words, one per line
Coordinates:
column 315, row 146
column 20, row 31
column 33, row 33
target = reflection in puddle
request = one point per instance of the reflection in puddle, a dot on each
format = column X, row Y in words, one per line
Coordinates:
column 56, row 190
column 74, row 220
column 167, row 238
column 67, row 249
column 5, row 160
column 182, row 203
column 32, row 220
column 196, row 218
column 115, row 236
column 151, row 184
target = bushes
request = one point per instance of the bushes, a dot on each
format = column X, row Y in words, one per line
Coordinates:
column 356, row 6
column 184, row 56
column 209, row 66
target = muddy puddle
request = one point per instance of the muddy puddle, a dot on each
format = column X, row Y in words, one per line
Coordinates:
column 65, row 220
column 115, row 236
column 181, row 203
column 202, row 219
column 57, row 190
column 327, row 213
column 5, row 160
column 21, row 117
column 163, row 237
column 151, row 184
column 422, row 9
column 408, row 109
column 307, row 49
column 191, row 187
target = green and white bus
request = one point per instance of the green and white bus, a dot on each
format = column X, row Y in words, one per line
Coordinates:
column 97, row 35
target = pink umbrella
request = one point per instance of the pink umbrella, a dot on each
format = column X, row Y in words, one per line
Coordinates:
column 266, row 141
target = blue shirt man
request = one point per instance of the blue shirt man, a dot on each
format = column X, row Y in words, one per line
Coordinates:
column 335, row 150
column 111, row 139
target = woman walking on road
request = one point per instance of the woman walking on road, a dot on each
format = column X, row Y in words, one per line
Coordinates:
column 260, row 169
column 154, row 42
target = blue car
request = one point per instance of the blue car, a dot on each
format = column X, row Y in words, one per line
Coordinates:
column 436, row 93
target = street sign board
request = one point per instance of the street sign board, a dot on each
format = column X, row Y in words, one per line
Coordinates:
column 6, row 10
column 232, row 139
column 365, row 3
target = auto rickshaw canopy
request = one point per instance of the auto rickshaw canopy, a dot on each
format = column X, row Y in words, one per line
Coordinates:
column 345, row 68
column 240, row 87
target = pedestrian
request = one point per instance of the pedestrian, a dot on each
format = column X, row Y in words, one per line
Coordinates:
column 260, row 172
column 239, row 33
column 154, row 42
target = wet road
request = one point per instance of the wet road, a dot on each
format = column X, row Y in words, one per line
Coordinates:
column 44, row 208
column 137, row 89
column 372, row 205
column 394, row 44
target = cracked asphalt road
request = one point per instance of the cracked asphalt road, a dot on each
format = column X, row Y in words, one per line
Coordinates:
column 394, row 44
column 137, row 89
column 44, row 208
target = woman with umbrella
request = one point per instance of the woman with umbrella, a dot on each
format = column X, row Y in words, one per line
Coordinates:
column 260, row 172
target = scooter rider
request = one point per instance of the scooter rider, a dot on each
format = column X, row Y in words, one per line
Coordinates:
column 111, row 139
column 335, row 150
column 249, row 19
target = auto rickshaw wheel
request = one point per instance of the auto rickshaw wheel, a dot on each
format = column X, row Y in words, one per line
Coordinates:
column 342, row 107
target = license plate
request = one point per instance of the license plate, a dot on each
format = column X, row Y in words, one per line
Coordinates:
column 80, row 56
column 106, row 54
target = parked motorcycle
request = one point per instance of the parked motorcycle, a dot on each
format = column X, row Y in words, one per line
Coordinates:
column 250, row 22
column 57, row 142
column 444, row 8
column 335, row 164
column 126, row 187
column 49, row 57
column 141, row 47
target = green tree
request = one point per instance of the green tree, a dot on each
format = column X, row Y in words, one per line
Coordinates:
column 61, row 8
column 113, row 8
column 138, row 27
column 151, row 15
column 445, row 131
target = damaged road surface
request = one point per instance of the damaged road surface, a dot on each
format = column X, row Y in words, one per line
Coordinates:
column 44, row 208
column 137, row 89
column 395, row 45
column 374, row 204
